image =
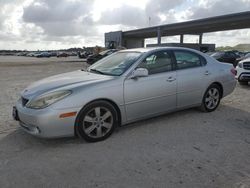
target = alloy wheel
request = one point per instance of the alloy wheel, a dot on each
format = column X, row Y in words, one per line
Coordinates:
column 98, row 122
column 212, row 98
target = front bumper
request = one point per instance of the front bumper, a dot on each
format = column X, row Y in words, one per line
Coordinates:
column 245, row 76
column 46, row 122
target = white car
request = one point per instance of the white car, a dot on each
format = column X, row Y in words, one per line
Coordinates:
column 243, row 71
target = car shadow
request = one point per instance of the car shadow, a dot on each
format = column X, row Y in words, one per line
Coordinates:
column 245, row 86
column 18, row 140
column 232, row 116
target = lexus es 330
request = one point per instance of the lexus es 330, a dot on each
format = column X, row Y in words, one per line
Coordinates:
column 124, row 87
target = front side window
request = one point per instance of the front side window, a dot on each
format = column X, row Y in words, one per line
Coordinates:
column 232, row 55
column 157, row 62
column 185, row 60
column 227, row 55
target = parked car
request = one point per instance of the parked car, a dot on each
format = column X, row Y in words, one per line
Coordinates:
column 62, row 54
column 243, row 57
column 22, row 53
column 72, row 53
column 53, row 54
column 125, row 87
column 243, row 71
column 43, row 54
column 94, row 58
column 227, row 57
column 84, row 54
column 33, row 54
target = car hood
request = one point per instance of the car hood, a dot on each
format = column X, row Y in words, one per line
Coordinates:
column 62, row 80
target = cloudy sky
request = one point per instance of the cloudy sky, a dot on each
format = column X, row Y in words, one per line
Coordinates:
column 56, row 24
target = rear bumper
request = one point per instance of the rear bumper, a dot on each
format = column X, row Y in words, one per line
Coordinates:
column 229, row 87
column 45, row 122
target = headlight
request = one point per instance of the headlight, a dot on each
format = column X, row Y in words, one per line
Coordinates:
column 45, row 100
column 240, row 65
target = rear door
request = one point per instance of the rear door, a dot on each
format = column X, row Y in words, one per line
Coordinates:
column 192, row 76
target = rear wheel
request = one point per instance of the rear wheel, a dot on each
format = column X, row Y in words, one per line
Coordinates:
column 243, row 82
column 96, row 121
column 211, row 98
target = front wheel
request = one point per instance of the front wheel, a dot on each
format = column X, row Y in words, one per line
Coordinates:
column 96, row 121
column 211, row 98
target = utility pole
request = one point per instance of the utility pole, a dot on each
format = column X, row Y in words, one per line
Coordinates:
column 149, row 21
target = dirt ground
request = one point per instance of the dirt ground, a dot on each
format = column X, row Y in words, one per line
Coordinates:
column 182, row 149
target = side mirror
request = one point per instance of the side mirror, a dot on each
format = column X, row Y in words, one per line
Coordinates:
column 139, row 72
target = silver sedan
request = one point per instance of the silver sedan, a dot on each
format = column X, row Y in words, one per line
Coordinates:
column 125, row 87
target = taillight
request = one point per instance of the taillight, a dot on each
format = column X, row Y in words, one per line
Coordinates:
column 233, row 71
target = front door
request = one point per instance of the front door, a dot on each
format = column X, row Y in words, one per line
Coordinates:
column 154, row 94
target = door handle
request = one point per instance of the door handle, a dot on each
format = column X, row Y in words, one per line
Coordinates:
column 171, row 79
column 207, row 73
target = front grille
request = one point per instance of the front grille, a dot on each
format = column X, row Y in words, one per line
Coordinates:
column 246, row 65
column 24, row 101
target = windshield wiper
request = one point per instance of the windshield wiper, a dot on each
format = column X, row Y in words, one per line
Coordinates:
column 100, row 72
column 97, row 71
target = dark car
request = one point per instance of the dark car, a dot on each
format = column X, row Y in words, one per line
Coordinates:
column 83, row 55
column 62, row 54
column 228, row 57
column 94, row 58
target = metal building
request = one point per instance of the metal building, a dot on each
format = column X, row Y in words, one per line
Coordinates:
column 136, row 38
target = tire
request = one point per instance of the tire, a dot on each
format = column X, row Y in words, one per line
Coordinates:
column 211, row 98
column 243, row 82
column 96, row 121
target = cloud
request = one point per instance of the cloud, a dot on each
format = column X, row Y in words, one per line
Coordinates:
column 61, row 18
column 1, row 20
column 9, row 15
column 125, row 15
column 55, row 11
column 162, row 6
column 130, row 15
column 41, row 24
column 218, row 7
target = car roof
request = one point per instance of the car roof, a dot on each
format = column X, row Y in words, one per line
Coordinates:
column 142, row 50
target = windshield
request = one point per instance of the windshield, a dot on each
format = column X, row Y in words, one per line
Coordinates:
column 247, row 55
column 115, row 64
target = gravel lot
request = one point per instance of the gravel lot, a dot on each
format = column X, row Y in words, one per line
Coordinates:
column 182, row 149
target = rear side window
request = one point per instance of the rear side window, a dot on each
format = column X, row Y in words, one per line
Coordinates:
column 185, row 60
